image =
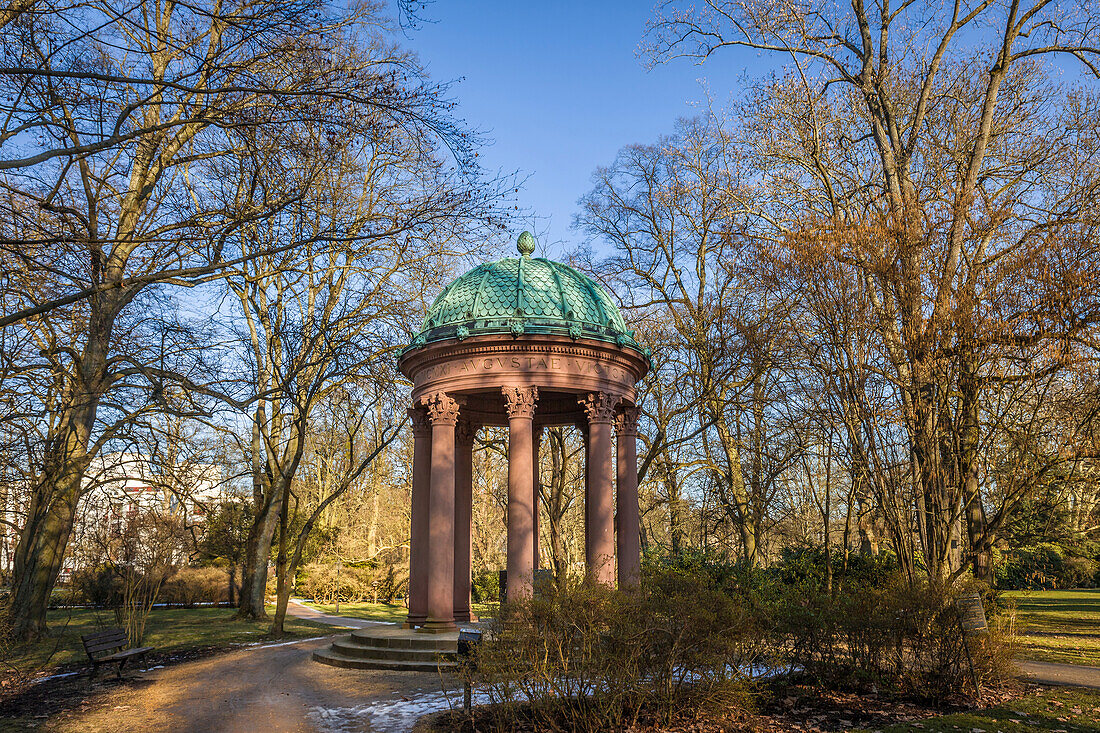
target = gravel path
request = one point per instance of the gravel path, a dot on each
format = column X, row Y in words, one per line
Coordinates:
column 275, row 687
column 300, row 610
column 1051, row 673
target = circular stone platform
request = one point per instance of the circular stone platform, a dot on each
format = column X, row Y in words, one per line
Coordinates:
column 394, row 648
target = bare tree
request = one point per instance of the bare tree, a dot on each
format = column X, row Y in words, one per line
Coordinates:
column 115, row 121
column 367, row 427
column 330, row 312
column 924, row 147
column 676, row 212
column 561, row 484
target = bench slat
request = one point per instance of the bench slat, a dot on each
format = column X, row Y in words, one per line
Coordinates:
column 104, row 637
column 97, row 638
column 125, row 654
column 103, row 641
column 105, row 632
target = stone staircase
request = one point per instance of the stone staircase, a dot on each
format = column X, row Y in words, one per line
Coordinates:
column 394, row 648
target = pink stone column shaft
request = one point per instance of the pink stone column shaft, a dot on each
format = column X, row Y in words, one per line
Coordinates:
column 520, row 405
column 443, row 411
column 600, row 502
column 626, row 497
column 464, row 498
column 418, row 533
column 536, row 442
column 587, row 500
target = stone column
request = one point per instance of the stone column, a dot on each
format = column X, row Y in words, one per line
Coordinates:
column 464, row 504
column 629, row 543
column 584, row 472
column 536, row 442
column 520, row 404
column 443, row 411
column 599, row 534
column 418, row 532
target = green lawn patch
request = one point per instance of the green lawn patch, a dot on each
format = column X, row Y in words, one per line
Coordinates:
column 1058, row 625
column 386, row 611
column 169, row 630
column 1066, row 709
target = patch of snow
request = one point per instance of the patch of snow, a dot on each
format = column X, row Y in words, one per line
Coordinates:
column 397, row 715
column 54, row 677
column 261, row 645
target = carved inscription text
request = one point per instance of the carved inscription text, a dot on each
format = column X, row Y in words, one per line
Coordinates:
column 490, row 364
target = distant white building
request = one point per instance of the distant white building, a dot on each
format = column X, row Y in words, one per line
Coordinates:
column 119, row 487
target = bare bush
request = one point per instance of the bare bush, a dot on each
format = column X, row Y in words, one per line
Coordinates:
column 585, row 657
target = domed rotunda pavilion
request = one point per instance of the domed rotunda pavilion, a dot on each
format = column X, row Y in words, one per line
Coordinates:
column 525, row 343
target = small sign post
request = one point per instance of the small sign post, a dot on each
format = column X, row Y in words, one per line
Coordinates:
column 971, row 621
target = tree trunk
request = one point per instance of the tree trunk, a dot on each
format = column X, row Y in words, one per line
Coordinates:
column 268, row 500
column 40, row 552
column 232, row 583
column 51, row 510
column 282, row 587
column 38, row 559
column 556, row 505
column 257, row 554
column 672, row 495
column 748, row 544
column 861, row 483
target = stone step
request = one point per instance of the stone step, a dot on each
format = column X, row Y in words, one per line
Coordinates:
column 350, row 647
column 327, row 656
column 405, row 639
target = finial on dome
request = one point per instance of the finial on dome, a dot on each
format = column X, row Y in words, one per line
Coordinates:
column 526, row 244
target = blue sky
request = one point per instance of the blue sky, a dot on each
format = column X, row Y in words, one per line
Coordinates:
column 559, row 88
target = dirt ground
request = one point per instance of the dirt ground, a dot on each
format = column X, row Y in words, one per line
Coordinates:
column 267, row 688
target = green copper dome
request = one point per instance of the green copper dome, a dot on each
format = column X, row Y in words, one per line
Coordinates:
column 525, row 295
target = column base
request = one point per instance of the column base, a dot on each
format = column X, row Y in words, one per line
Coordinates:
column 432, row 626
column 411, row 622
column 466, row 617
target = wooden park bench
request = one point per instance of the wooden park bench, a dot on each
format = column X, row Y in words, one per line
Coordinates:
column 101, row 647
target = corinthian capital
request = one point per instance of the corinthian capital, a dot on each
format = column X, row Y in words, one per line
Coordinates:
column 599, row 406
column 626, row 420
column 465, row 431
column 442, row 408
column 419, row 418
column 520, row 401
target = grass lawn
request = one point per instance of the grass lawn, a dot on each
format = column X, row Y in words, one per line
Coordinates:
column 169, row 630
column 1067, row 709
column 386, row 611
column 1059, row 625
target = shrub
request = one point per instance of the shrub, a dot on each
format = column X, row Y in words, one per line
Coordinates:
column 350, row 583
column 585, row 658
column 889, row 633
column 807, row 565
column 485, row 586
column 191, row 586
column 1044, row 566
column 99, row 586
